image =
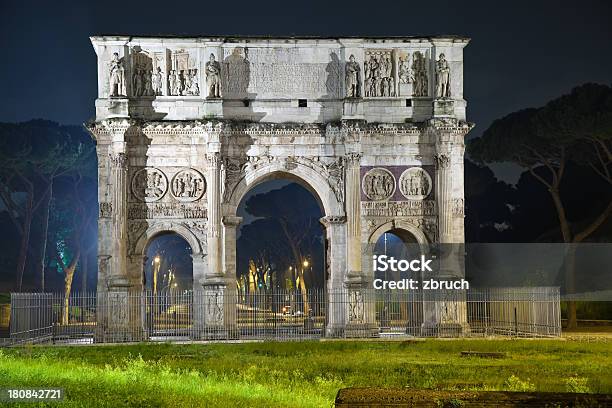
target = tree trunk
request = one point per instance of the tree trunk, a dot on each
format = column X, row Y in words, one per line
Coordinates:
column 299, row 266
column 303, row 291
column 44, row 232
column 84, row 264
column 570, row 278
column 25, row 239
column 68, row 277
column 570, row 286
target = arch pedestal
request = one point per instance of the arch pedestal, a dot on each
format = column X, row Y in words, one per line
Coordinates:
column 208, row 221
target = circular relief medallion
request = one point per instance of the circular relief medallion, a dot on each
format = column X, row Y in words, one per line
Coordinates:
column 378, row 184
column 149, row 184
column 415, row 183
column 188, row 185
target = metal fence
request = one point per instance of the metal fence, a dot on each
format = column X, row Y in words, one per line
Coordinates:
column 282, row 315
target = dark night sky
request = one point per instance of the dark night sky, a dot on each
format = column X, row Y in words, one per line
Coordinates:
column 523, row 53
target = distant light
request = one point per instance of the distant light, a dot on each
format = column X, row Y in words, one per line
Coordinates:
column 157, row 259
column 306, row 263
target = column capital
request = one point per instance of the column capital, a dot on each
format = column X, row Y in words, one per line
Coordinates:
column 442, row 160
column 332, row 220
column 118, row 160
column 213, row 159
column 353, row 159
column 231, row 221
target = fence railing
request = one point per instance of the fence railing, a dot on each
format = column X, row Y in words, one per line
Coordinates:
column 282, row 315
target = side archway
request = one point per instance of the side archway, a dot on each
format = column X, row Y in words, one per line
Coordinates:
column 163, row 227
column 198, row 247
column 420, row 237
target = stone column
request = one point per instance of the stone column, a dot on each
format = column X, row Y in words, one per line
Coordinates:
column 118, row 272
column 444, row 312
column 444, row 185
column 211, row 298
column 120, row 308
column 214, row 216
column 353, row 216
column 230, row 223
column 335, row 231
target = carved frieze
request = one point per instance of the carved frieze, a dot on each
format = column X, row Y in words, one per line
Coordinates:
column 235, row 73
column 458, row 207
column 419, row 69
column 103, row 265
column 149, row 184
column 379, row 76
column 405, row 72
column 199, row 228
column 398, row 208
column 134, row 230
column 188, row 185
column 415, row 183
column 214, row 306
column 334, row 171
column 106, row 210
column 231, row 171
column 356, row 307
column 378, row 184
column 275, row 72
column 331, row 168
column 166, row 210
column 142, row 73
column 183, row 75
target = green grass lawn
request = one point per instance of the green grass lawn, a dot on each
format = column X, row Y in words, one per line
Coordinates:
column 298, row 374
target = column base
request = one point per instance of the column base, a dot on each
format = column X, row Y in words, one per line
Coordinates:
column 352, row 108
column 364, row 330
column 445, row 329
column 120, row 317
column 443, row 108
column 213, row 108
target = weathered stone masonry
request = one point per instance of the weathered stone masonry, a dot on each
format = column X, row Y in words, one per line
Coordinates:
column 374, row 127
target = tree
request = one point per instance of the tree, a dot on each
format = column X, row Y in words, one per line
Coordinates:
column 73, row 218
column 489, row 205
column 263, row 247
column 32, row 156
column 572, row 128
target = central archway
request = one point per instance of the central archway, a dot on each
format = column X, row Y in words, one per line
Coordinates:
column 331, row 260
column 281, row 249
column 329, row 197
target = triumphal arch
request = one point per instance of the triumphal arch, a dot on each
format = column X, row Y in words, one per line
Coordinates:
column 184, row 127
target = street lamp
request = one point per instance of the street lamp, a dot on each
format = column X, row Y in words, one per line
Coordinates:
column 156, row 264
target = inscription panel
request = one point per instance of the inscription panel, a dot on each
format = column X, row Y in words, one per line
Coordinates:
column 398, row 208
column 165, row 210
column 280, row 73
